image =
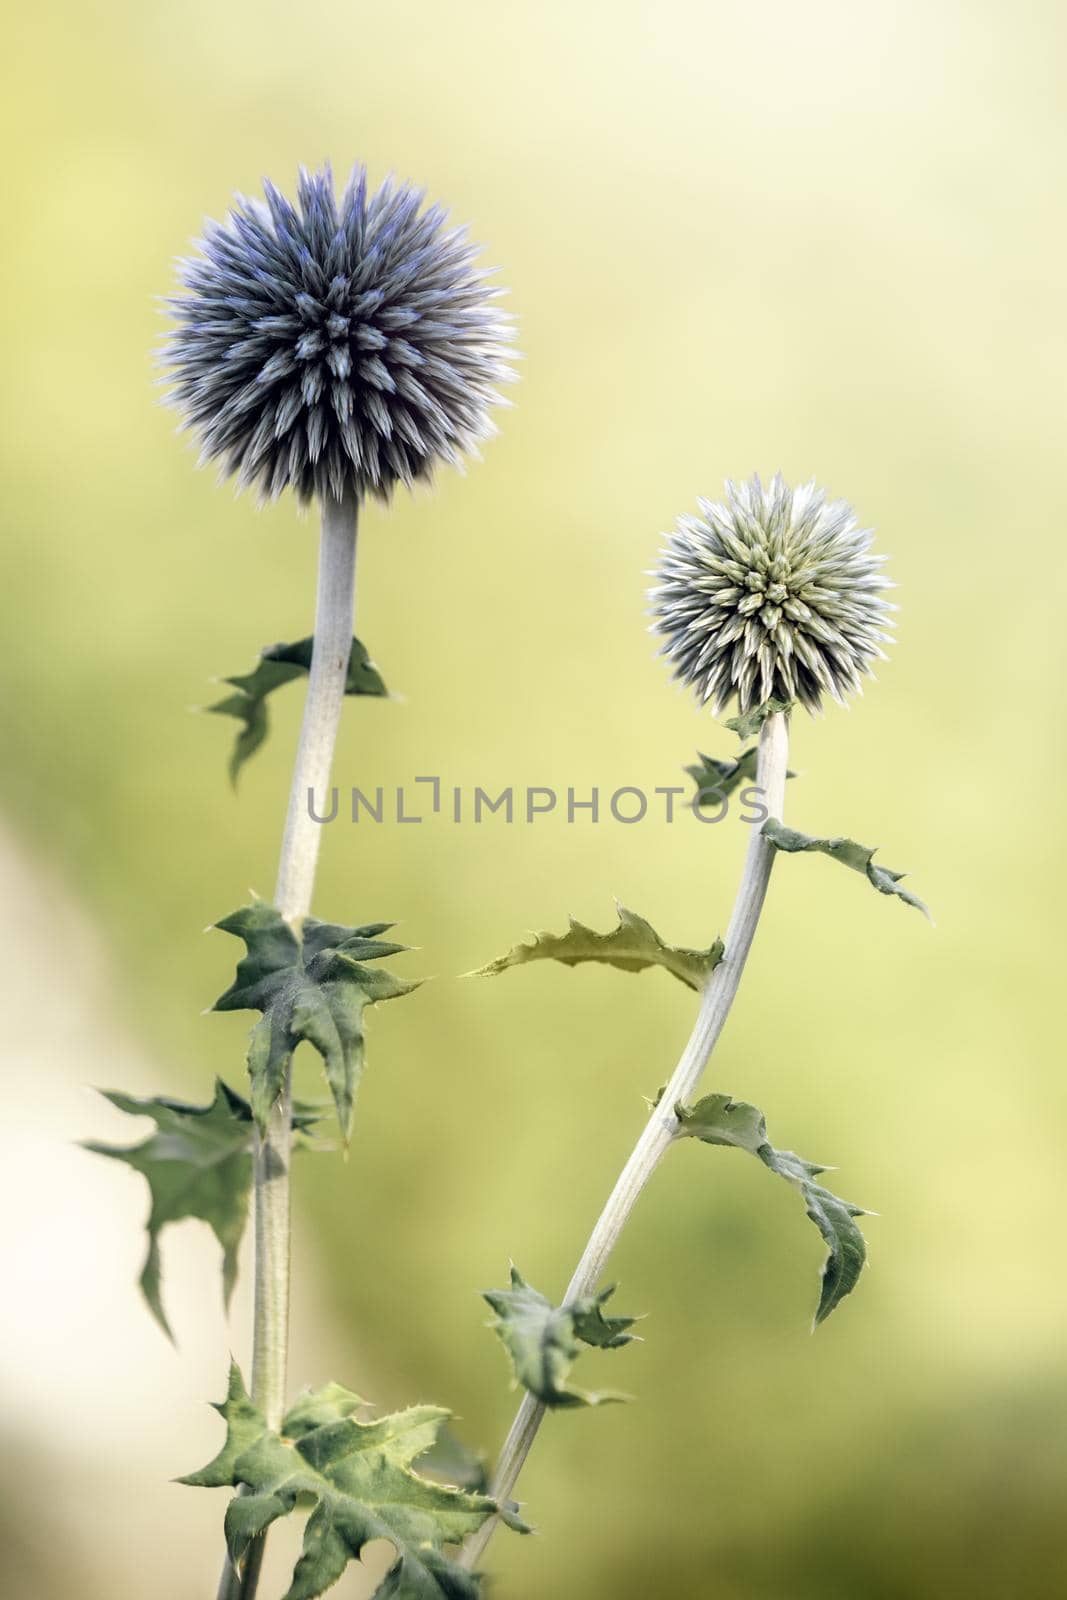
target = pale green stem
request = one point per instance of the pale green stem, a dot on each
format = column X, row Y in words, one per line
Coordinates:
column 335, row 604
column 662, row 1126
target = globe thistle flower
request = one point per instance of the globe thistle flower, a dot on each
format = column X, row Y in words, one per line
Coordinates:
column 335, row 348
column 772, row 594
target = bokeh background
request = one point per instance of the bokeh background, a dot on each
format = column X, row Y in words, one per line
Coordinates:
column 827, row 238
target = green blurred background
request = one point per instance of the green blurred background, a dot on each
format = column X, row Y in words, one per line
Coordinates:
column 827, row 238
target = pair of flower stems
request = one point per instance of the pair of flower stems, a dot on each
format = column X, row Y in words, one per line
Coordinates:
column 342, row 347
column 334, row 617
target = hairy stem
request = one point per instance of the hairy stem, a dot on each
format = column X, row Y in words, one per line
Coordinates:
column 662, row 1127
column 334, row 607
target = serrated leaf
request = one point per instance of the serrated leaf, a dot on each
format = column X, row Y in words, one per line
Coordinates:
column 279, row 664
column 309, row 986
column 594, row 1328
column 358, row 1478
column 197, row 1164
column 849, row 853
column 750, row 722
column 632, row 946
column 544, row 1340
column 451, row 1461
column 721, row 778
column 717, row 779
column 719, row 1119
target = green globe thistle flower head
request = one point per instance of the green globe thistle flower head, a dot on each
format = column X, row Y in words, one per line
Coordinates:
column 771, row 593
column 336, row 346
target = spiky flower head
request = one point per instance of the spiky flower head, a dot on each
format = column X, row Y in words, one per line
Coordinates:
column 771, row 594
column 333, row 346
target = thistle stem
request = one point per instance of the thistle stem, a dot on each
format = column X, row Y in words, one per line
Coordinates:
column 334, row 607
column 662, row 1127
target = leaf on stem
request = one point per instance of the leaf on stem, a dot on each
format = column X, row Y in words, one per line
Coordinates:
column 198, row 1164
column 449, row 1460
column 279, row 664
column 718, row 1119
column 313, row 986
column 359, row 1480
column 750, row 722
column 544, row 1340
column 717, row 780
column 849, row 853
column 632, row 946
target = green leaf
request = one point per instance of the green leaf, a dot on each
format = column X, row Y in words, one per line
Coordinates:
column 721, row 778
column 451, row 1461
column 717, row 780
column 544, row 1340
column 197, row 1164
column 594, row 1328
column 633, row 945
column 278, row 664
column 847, row 851
column 750, row 722
column 718, row 1119
column 309, row 986
column 359, row 1480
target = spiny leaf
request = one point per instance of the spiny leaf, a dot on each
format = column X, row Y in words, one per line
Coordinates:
column 721, row 778
column 198, row 1164
column 718, row 1119
column 594, row 1328
column 278, row 664
column 543, row 1340
column 633, row 945
column 449, row 1460
column 313, row 985
column 716, row 779
column 359, row 1479
column 847, row 851
column 750, row 722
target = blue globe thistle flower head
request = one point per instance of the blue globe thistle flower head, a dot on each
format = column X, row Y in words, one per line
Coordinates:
column 336, row 347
